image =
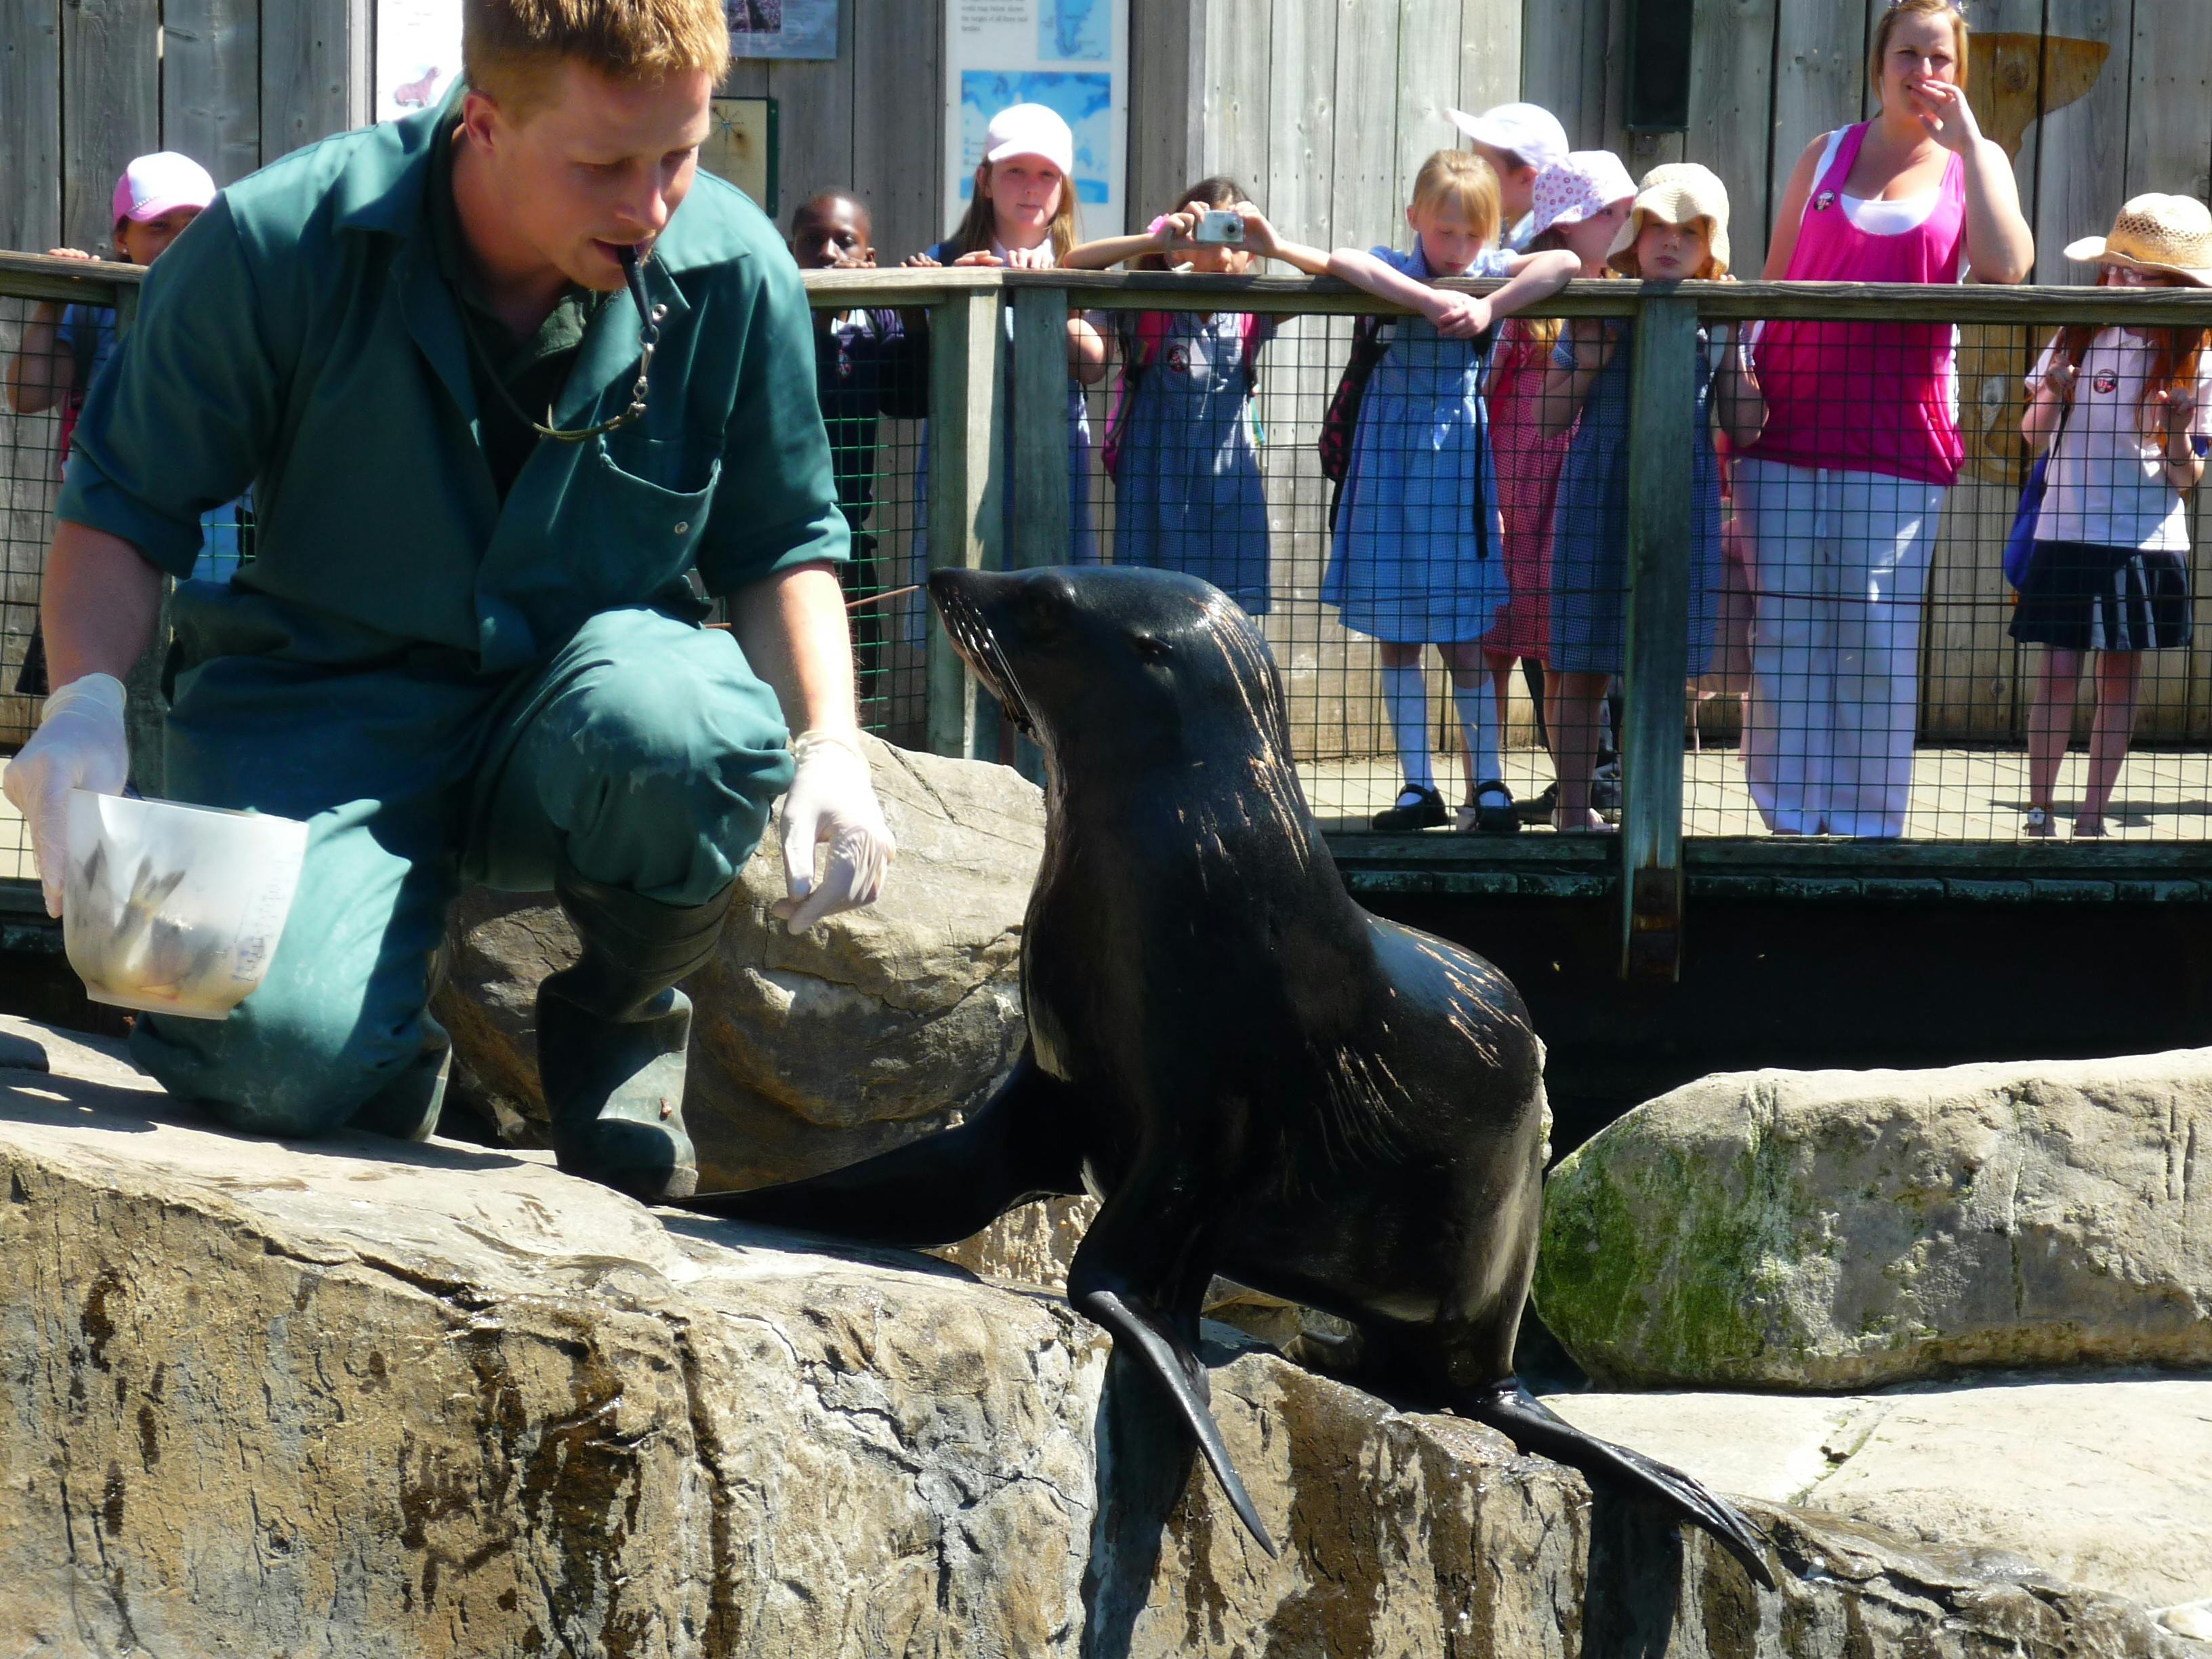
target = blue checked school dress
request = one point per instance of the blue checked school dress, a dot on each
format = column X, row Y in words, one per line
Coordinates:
column 1589, row 537
column 1188, row 495
column 1415, row 558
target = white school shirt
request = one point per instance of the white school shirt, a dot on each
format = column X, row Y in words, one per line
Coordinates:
column 2106, row 485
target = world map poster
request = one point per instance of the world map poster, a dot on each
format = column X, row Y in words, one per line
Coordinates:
column 1070, row 55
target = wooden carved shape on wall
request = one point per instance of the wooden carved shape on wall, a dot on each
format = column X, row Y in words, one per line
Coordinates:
column 2013, row 80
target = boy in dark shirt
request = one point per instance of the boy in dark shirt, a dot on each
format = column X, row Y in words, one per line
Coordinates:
column 868, row 367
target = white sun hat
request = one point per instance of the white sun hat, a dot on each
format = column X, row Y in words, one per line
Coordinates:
column 1582, row 184
column 1677, row 193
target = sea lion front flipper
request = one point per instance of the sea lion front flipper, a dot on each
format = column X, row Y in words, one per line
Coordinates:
column 1140, row 1272
column 1165, row 1355
column 1534, row 1427
column 1024, row 1142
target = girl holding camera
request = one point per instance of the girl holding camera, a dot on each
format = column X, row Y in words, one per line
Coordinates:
column 1182, row 438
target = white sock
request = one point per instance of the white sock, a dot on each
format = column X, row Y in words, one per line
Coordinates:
column 1405, row 696
column 1477, row 721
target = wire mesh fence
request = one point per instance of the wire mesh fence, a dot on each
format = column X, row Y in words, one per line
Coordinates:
column 37, row 375
column 1445, row 564
column 872, row 378
column 1859, row 663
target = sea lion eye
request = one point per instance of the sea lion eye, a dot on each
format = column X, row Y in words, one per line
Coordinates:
column 1152, row 648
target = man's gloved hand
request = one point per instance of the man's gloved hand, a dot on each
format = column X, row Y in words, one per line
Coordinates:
column 80, row 745
column 830, row 800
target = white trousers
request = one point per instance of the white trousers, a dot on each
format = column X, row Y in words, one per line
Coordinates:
column 1840, row 575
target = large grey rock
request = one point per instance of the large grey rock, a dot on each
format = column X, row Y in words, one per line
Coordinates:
column 813, row 1051
column 1844, row 1230
column 2104, row 1481
column 381, row 1400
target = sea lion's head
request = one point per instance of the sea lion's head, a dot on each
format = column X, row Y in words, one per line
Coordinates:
column 1117, row 664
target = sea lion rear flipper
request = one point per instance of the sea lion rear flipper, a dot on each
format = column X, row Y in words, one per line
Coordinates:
column 1023, row 1143
column 1168, row 1360
column 1533, row 1427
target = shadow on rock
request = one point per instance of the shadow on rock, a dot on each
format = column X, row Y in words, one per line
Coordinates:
column 1635, row 1581
column 1145, row 1463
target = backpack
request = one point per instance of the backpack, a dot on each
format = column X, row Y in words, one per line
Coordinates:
column 1140, row 349
column 1370, row 341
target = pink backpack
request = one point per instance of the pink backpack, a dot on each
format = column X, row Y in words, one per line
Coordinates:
column 1140, row 349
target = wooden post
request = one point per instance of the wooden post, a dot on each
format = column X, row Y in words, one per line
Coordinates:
column 1041, row 525
column 1661, row 431
column 967, row 366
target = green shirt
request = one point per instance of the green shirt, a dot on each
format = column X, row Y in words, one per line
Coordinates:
column 303, row 336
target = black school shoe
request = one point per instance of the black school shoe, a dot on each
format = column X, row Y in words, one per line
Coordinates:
column 1493, row 811
column 1537, row 809
column 1417, row 809
column 1605, row 787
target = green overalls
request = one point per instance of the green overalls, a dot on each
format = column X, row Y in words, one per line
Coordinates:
column 450, row 687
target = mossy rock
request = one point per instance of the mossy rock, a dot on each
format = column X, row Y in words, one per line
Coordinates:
column 1844, row 1230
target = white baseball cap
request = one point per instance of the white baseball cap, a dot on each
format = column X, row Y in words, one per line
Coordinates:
column 1030, row 130
column 1532, row 133
column 153, row 184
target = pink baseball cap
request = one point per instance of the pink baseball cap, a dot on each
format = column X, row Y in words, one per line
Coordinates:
column 1030, row 130
column 1583, row 185
column 153, row 184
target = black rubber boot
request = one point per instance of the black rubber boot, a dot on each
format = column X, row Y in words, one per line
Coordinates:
column 613, row 1032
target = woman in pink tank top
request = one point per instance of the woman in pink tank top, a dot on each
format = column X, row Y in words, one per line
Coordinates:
column 1844, row 491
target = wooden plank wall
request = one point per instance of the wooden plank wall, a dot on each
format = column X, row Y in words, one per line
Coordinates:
column 85, row 85
column 1325, row 110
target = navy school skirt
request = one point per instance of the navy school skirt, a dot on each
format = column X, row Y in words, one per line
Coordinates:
column 2080, row 595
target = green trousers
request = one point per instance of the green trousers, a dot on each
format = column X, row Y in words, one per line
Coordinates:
column 645, row 749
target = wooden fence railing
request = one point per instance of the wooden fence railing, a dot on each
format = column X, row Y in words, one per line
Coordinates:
column 998, row 405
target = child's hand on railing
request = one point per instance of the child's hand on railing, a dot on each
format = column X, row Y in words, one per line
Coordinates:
column 1457, row 316
column 67, row 253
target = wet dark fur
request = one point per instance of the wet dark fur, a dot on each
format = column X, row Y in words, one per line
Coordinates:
column 1258, row 1078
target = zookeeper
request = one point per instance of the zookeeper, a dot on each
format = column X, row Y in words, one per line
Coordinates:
column 488, row 465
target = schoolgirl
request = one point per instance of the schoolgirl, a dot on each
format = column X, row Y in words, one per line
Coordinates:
column 2127, row 416
column 1677, row 229
column 1022, row 216
column 1415, row 560
column 1181, row 438
column 1580, row 204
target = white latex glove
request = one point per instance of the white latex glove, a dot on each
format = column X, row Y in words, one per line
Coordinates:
column 80, row 745
column 831, row 800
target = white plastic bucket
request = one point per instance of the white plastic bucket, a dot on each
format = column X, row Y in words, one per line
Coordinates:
column 175, row 909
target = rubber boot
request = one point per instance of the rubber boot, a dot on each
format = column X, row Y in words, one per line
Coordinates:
column 613, row 1032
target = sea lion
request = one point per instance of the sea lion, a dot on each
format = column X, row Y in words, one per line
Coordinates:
column 1257, row 1076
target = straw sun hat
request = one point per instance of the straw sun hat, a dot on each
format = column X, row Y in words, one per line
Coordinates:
column 1677, row 193
column 2168, row 233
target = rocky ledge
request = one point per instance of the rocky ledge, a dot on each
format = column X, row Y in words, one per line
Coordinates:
column 262, row 1398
